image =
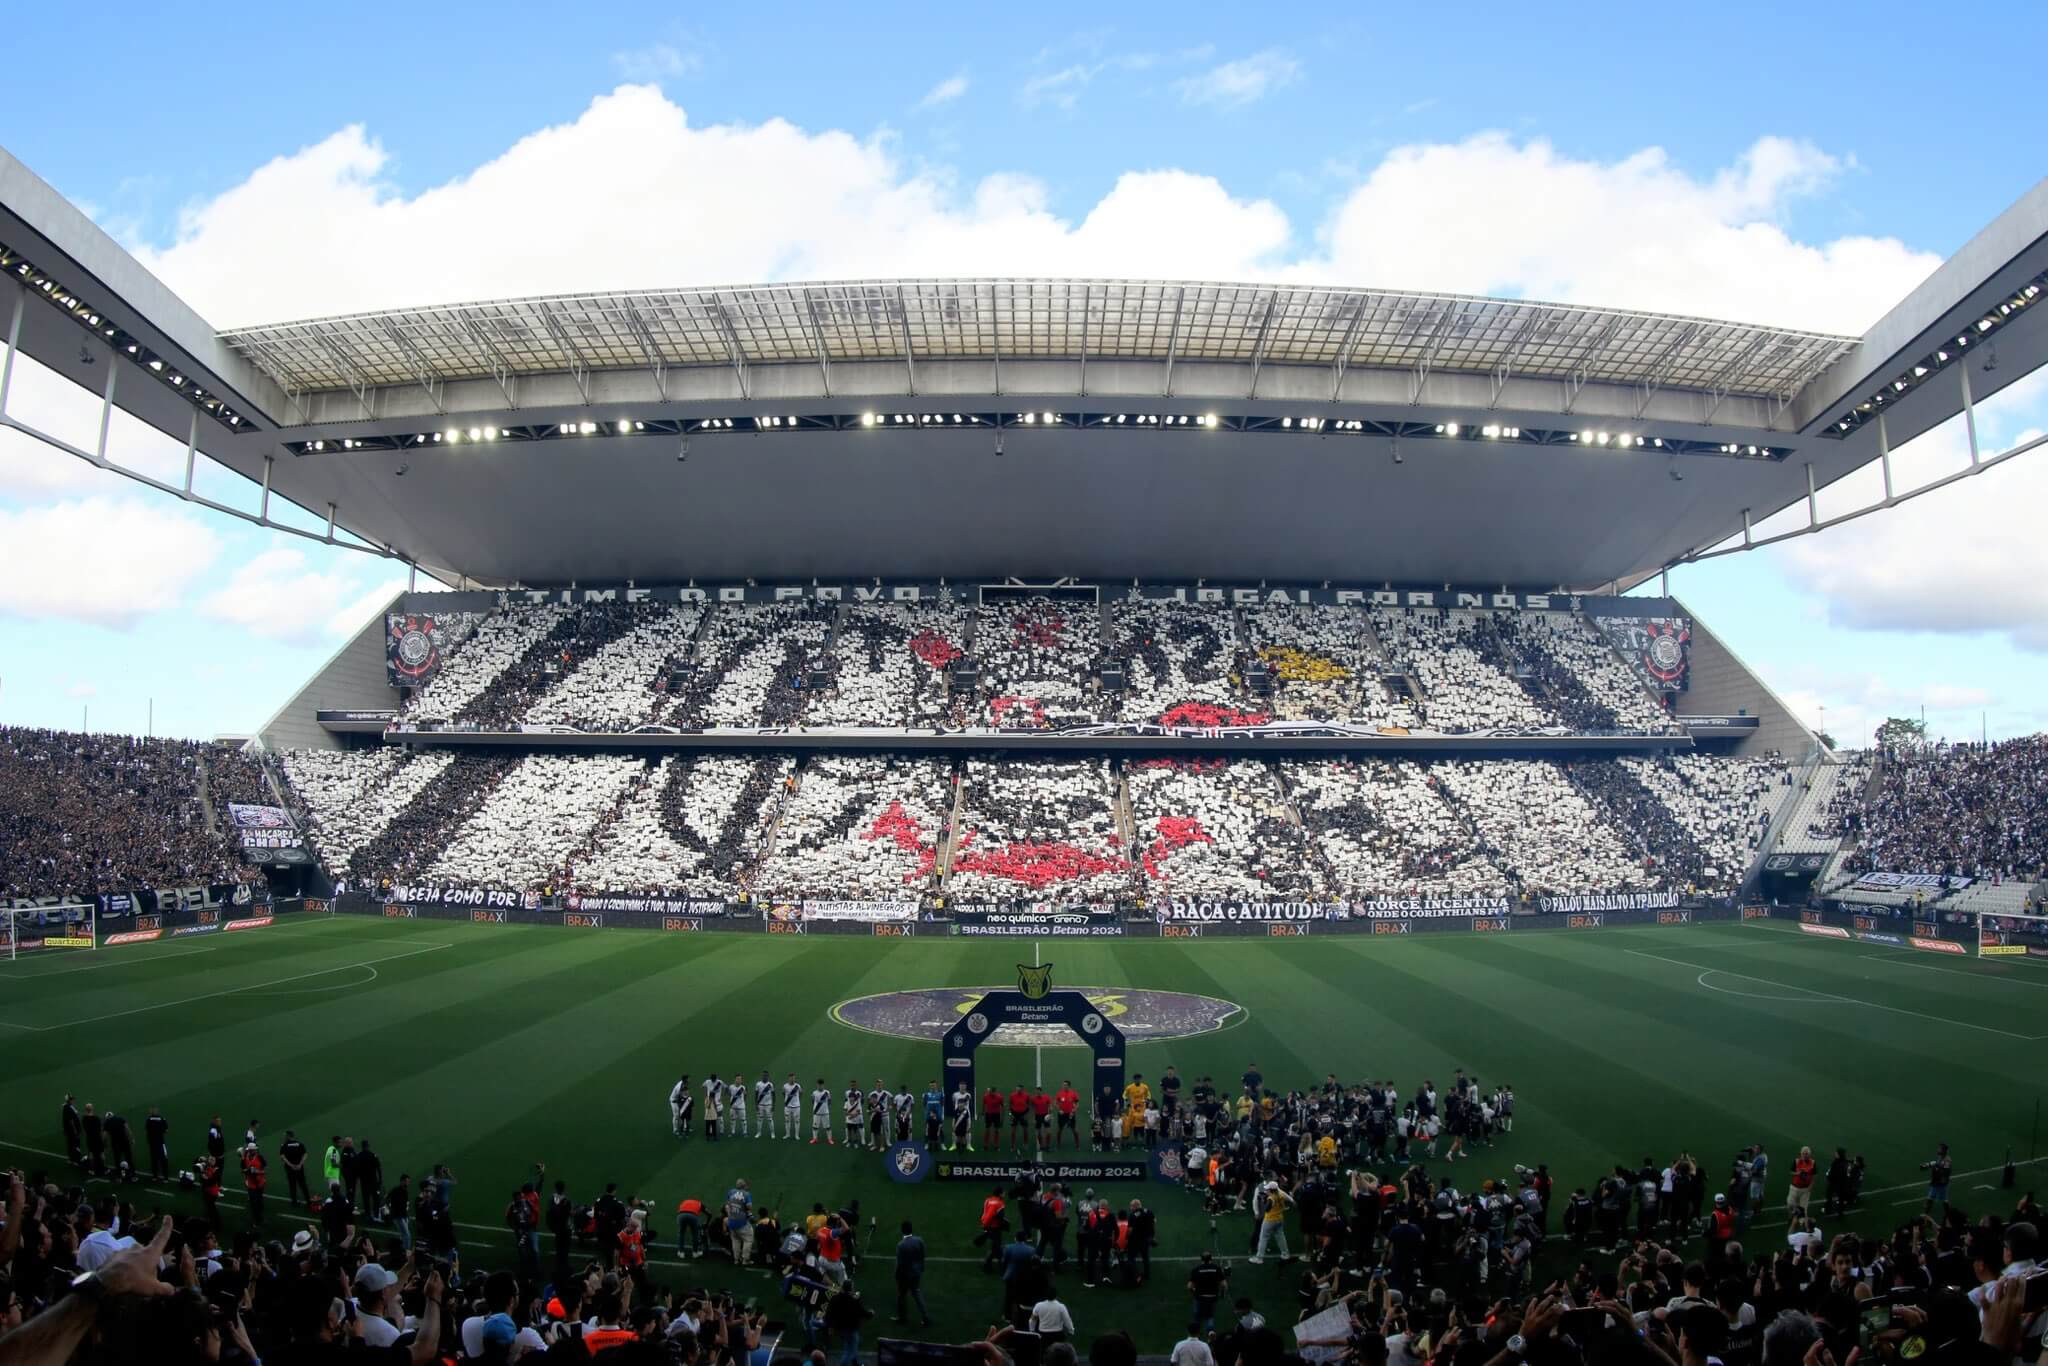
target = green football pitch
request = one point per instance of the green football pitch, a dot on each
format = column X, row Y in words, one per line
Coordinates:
column 493, row 1047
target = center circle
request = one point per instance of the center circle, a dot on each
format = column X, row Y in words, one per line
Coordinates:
column 1143, row 1016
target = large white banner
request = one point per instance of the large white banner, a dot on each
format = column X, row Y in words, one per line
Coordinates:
column 873, row 912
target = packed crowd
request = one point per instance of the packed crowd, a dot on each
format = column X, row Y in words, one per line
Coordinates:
column 692, row 828
column 1041, row 661
column 618, row 685
column 750, row 665
column 888, row 666
column 1032, row 826
column 1174, row 655
column 84, row 814
column 882, row 827
column 860, row 827
column 412, row 839
column 1957, row 810
column 1217, row 828
column 1684, row 838
column 1382, row 826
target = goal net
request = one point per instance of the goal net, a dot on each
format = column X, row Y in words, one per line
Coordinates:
column 2012, row 936
column 49, row 929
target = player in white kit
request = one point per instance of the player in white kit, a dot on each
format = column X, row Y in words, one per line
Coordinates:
column 821, row 1114
column 792, row 1105
column 736, row 1106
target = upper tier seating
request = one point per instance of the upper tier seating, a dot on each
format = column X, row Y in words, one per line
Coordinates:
column 1180, row 663
column 1038, row 658
column 1464, row 666
column 888, row 664
column 616, row 687
column 750, row 665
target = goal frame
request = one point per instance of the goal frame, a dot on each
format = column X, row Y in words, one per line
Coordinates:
column 20, row 925
column 1993, row 941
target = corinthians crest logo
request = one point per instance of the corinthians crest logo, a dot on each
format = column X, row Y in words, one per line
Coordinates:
column 1034, row 982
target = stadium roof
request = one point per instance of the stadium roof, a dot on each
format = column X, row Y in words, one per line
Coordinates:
column 1104, row 429
column 909, row 320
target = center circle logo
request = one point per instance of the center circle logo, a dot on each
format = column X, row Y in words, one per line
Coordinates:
column 1143, row 1016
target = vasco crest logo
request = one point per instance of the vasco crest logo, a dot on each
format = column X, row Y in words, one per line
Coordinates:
column 1034, row 982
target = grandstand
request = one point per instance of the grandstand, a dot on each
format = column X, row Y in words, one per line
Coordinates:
column 956, row 677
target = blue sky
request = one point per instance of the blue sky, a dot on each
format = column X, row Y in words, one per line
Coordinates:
column 1776, row 163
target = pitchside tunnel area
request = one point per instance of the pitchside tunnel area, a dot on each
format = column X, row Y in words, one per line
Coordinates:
column 491, row 1047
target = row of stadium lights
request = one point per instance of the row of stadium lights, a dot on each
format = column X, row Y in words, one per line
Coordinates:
column 1310, row 425
column 1941, row 358
column 89, row 317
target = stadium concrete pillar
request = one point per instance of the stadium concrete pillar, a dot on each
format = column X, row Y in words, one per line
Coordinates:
column 1812, row 501
column 191, row 453
column 263, row 509
column 13, row 344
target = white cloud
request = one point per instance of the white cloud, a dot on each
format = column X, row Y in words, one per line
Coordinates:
column 101, row 560
column 82, row 692
column 1850, row 707
column 278, row 594
column 57, row 405
column 321, row 231
column 1061, row 88
column 1491, row 215
column 1966, row 559
column 656, row 62
column 351, row 617
column 1963, row 560
column 1241, row 82
column 946, row 91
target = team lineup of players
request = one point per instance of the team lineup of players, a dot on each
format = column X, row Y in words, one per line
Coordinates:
column 878, row 1116
column 1042, row 1120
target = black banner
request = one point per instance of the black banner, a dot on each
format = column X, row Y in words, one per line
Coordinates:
column 1609, row 901
column 444, row 607
column 1228, row 912
column 1431, row 907
column 697, row 909
column 1005, row 1173
column 461, row 896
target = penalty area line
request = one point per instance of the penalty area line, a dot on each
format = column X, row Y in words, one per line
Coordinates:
column 1825, row 997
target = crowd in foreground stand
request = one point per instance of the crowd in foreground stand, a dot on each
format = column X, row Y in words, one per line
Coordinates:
column 84, row 814
column 1385, row 1253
